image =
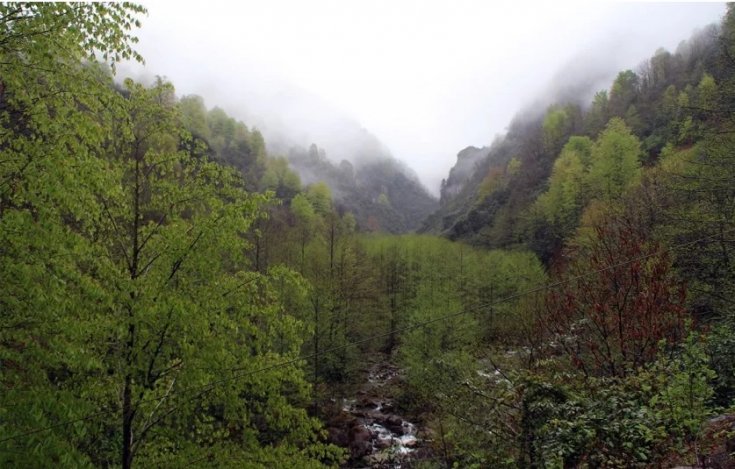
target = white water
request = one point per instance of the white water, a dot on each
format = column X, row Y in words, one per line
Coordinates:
column 389, row 448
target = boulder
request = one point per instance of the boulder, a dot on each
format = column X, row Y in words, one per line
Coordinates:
column 359, row 441
column 368, row 402
column 388, row 407
column 395, row 424
column 338, row 436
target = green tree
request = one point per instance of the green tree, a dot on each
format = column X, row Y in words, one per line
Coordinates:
column 194, row 116
column 164, row 299
column 281, row 179
column 49, row 172
column 237, row 146
column 623, row 92
column 127, row 296
column 700, row 181
column 561, row 205
column 598, row 114
column 684, row 392
column 707, row 92
column 557, row 126
column 320, row 197
column 615, row 161
column 305, row 222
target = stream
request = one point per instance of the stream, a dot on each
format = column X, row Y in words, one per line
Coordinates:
column 371, row 428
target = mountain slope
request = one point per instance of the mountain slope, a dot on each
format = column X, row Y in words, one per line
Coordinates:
column 486, row 200
column 381, row 192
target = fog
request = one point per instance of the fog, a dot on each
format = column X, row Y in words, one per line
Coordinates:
column 425, row 78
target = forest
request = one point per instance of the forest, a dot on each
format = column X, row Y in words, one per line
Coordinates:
column 174, row 295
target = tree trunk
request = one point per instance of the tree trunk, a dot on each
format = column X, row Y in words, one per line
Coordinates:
column 127, row 411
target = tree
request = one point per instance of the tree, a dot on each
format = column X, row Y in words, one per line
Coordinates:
column 237, row 146
column 194, row 116
column 126, row 295
column 684, row 390
column 45, row 140
column 623, row 92
column 700, row 180
column 598, row 114
column 163, row 306
column 305, row 222
column 320, row 197
column 561, row 205
column 614, row 162
column 281, row 179
column 620, row 297
column 557, row 126
column 50, row 167
column 707, row 92
column 160, row 222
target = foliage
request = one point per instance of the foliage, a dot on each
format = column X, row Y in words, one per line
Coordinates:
column 628, row 213
column 157, row 309
column 614, row 161
column 603, row 426
column 568, row 191
column 609, row 318
column 623, row 92
column 357, row 188
column 133, row 329
column 720, row 350
column 280, row 179
column 320, row 197
column 557, row 126
column 683, row 400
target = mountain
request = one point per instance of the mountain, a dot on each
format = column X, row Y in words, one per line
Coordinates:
column 323, row 144
column 488, row 197
column 381, row 192
column 365, row 179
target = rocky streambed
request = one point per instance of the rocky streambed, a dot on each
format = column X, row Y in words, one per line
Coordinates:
column 372, row 428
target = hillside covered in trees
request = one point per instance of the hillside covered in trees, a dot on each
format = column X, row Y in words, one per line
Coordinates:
column 381, row 192
column 174, row 295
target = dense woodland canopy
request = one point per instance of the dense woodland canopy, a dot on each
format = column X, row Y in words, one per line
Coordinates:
column 173, row 295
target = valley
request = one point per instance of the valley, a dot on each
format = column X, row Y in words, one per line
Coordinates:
column 180, row 291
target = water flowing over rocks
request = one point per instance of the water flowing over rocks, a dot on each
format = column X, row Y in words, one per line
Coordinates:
column 372, row 429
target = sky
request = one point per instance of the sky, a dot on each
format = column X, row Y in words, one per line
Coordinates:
column 427, row 78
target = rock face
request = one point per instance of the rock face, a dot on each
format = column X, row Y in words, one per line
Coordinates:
column 370, row 427
column 462, row 171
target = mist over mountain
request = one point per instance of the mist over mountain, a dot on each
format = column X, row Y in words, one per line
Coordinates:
column 323, row 144
column 222, row 269
column 297, row 118
column 489, row 194
column 381, row 192
column 425, row 81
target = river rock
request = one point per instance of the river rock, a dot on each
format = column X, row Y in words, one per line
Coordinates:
column 368, row 402
column 388, row 407
column 342, row 420
column 382, row 443
column 395, row 424
column 360, row 445
column 409, row 442
column 338, row 436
